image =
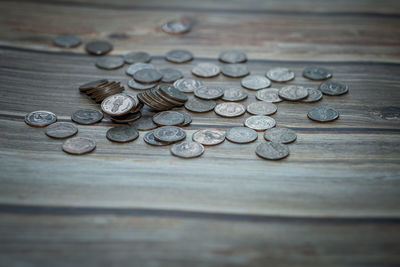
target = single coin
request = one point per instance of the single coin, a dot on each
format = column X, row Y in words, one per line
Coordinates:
column 136, row 57
column 259, row 122
column 87, row 116
column 209, row 137
column 206, row 70
column 130, row 117
column 229, row 110
column 188, row 119
column 40, row 118
column 170, row 75
column 323, row 114
column 179, row 56
column 187, row 149
column 280, row 135
column 255, row 82
column 316, row 73
column 147, row 76
column 91, row 85
column 333, row 88
column 140, row 86
column 209, row 93
column 241, row 135
column 169, row 134
column 234, row 94
column 149, row 139
column 61, row 130
column 122, row 134
column 173, row 93
column 98, row 48
column 168, row 118
column 145, row 123
column 232, row 56
column 235, row 70
column 67, row 41
column 200, row 105
column 280, row 75
column 188, row 85
column 79, row 145
column 272, row 151
column 314, row 95
column 132, row 69
column 293, row 92
column 261, row 108
column 109, row 63
column 117, row 105
column 176, row 27
column 269, row 95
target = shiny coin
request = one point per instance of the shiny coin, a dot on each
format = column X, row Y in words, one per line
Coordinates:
column 40, row 118
column 255, row 82
column 91, row 85
column 280, row 75
column 169, row 134
column 200, row 105
column 67, row 41
column 280, row 135
column 170, row 75
column 176, row 27
column 323, row 114
column 140, row 86
column 79, row 145
column 149, row 139
column 209, row 137
column 208, row 93
column 229, row 110
column 333, row 88
column 241, row 135
column 109, row 63
column 269, row 95
column 147, row 76
column 188, row 119
column 87, row 116
column 117, row 105
column 130, row 117
column 145, row 123
column 261, row 108
column 316, row 73
column 232, row 56
column 259, row 123
column 168, row 118
column 314, row 95
column 136, row 57
column 234, row 94
column 187, row 149
column 132, row 69
column 173, row 93
column 293, row 92
column 122, row 134
column 272, row 151
column 98, row 48
column 235, row 70
column 61, row 130
column 179, row 56
column 188, row 85
column 206, row 70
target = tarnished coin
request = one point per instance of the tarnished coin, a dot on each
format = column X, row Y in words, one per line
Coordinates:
column 136, row 57
column 280, row 135
column 188, row 119
column 40, row 118
column 188, row 85
column 176, row 27
column 179, row 56
column 117, row 105
column 261, row 108
column 91, row 85
column 187, row 149
column 209, row 137
column 259, row 122
column 314, row 95
column 169, row 134
column 234, row 94
column 168, row 118
column 170, row 75
column 280, row 75
column 235, row 70
column 109, row 63
column 206, row 70
column 209, row 93
column 145, row 123
column 87, row 116
column 61, row 130
column 269, row 95
column 122, row 134
column 67, row 41
column 172, row 92
column 98, row 48
column 130, row 117
column 333, row 88
column 147, row 76
column 132, row 69
column 255, row 82
column 232, row 56
column 229, row 110
column 241, row 135
column 323, row 114
column 149, row 139
column 293, row 92
column 200, row 105
column 316, row 73
column 140, row 86
column 272, row 151
column 79, row 145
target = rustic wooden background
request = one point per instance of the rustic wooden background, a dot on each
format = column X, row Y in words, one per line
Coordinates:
column 334, row 201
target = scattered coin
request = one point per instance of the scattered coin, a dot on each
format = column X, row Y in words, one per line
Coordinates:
column 140, row 86
column 241, row 135
column 280, row 135
column 79, row 145
column 293, row 92
column 67, row 41
column 280, row 75
column 136, row 57
column 269, row 95
column 235, row 70
column 145, row 123
column 314, row 95
column 117, row 105
column 255, row 82
column 122, row 134
column 188, row 85
column 168, row 118
column 176, row 27
column 179, row 56
column 206, row 70
column 109, row 63
column 147, row 76
column 209, row 137
column 234, row 94
column 130, row 117
column 261, row 108
column 200, row 105
column 170, row 75
column 232, row 56
column 98, row 48
column 259, row 122
column 169, row 134
column 173, row 93
column 61, row 130
column 316, row 73
column 87, row 116
column 272, row 151
column 188, row 119
column 187, row 149
column 209, row 93
column 323, row 114
column 229, row 110
column 333, row 88
column 40, row 118
column 132, row 69
column 149, row 139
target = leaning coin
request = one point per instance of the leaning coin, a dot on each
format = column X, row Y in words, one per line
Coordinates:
column 176, row 27
column 293, row 92
column 269, row 95
column 323, row 114
column 122, row 134
column 232, row 56
column 109, row 63
column 209, row 93
column 179, row 56
column 261, row 108
column 333, row 88
column 67, row 41
column 118, row 104
column 229, row 110
column 145, row 123
column 132, row 69
column 168, row 118
column 149, row 139
column 241, row 135
column 259, row 122
column 255, row 82
column 235, row 70
column 40, row 118
column 199, row 105
column 147, row 76
column 172, row 92
column 188, row 85
column 91, row 85
column 98, row 48
column 280, row 75
column 314, row 95
column 187, row 149
column 130, row 117
column 61, row 130
column 136, row 57
column 169, row 134
column 87, row 116
column 188, row 119
column 272, row 151
column 170, row 75
column 234, row 94
column 280, row 135
column 206, row 70
column 316, row 73
column 209, row 137
column 79, row 145
column 140, row 86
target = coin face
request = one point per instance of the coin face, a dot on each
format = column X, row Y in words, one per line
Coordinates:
column 234, row 94
column 209, row 93
column 176, row 27
column 316, row 73
column 200, row 105
column 255, row 82
column 293, row 92
column 169, row 134
column 241, row 135
column 149, row 139
column 40, row 118
column 261, row 108
column 187, row 149
column 87, row 116
column 206, row 70
column 136, row 57
column 130, row 117
column 333, row 88
column 98, row 48
column 170, row 75
column 173, row 93
column 235, row 70
column 117, row 105
column 232, row 56
column 145, row 123
column 132, row 69
column 229, row 110
column 140, row 86
column 147, row 76
column 280, row 135
column 280, row 75
column 209, row 137
column 61, row 130
column 79, row 145
column 67, row 41
column 179, row 56
column 259, row 123
column 269, row 95
column 188, row 85
column 323, row 114
column 109, row 63
column 122, row 134
column 168, row 118
column 272, row 151
column 314, row 95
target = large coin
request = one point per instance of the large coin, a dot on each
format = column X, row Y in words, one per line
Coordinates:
column 149, row 139
column 209, row 93
column 293, row 92
column 109, row 63
column 206, row 70
column 122, row 134
column 255, row 82
column 241, row 135
column 168, row 118
column 117, row 105
column 209, row 137
column 232, row 56
column 170, row 75
column 147, row 76
column 169, row 134
column 61, row 130
column 173, row 93
column 188, row 85
column 333, row 88
column 323, row 114
column 234, row 94
column 235, row 70
column 187, row 149
column 316, row 73
column 280, row 135
column 176, row 27
column 132, row 69
column 40, row 118
column 136, row 57
column 272, row 151
column 199, row 105
column 140, row 86
column 261, row 108
column 179, row 56
column 280, row 75
column 87, row 116
column 260, row 123
column 269, row 95
column 98, row 48
column 79, row 145
column 314, row 95
column 67, row 41
column 230, row 110
column 145, row 123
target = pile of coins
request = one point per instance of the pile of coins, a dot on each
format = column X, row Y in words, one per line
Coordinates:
column 122, row 108
column 101, row 89
column 162, row 98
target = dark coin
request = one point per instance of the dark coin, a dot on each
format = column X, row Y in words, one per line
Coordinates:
column 170, row 75
column 140, row 86
column 316, row 73
column 147, row 76
column 232, row 56
column 168, row 118
column 199, row 105
column 130, row 117
column 235, row 70
column 206, row 70
column 176, row 27
column 259, row 122
column 280, row 75
column 145, row 123
column 132, row 69
column 98, row 48
column 323, row 114
column 241, row 135
column 209, row 137
column 61, row 130
column 293, row 92
column 173, row 93
column 272, row 151
column 40, row 118
column 261, row 108
column 187, row 149
column 149, row 139
column 118, row 104
column 79, row 145
column 314, row 95
column 91, row 85
column 333, row 88
column 179, row 56
column 188, row 85
column 136, row 57
column 234, row 94
column 169, row 134
column 229, row 110
column 87, row 116
column 269, row 95
column 280, row 135
column 255, row 82
column 67, row 41
column 109, row 63
column 209, row 93
column 122, row 134
column 188, row 119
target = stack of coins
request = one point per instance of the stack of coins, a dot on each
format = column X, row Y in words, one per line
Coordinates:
column 162, row 98
column 101, row 89
column 122, row 108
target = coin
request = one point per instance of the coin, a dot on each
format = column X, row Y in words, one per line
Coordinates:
column 179, row 56
column 176, row 27
column 280, row 75
column 188, row 119
column 166, row 98
column 229, row 110
column 67, row 41
column 232, row 56
column 187, row 149
column 140, row 86
column 91, row 85
column 234, row 94
column 122, row 134
column 200, row 105
column 170, row 75
column 187, row 85
column 316, row 73
column 40, row 118
column 255, row 82
column 98, row 48
column 168, row 118
column 280, row 135
column 169, row 134
column 147, row 76
column 206, row 70
column 293, row 92
column 208, row 93
column 323, row 114
column 136, row 57
column 241, row 135
column 209, row 137
column 117, row 105
column 109, row 62
column 261, row 108
column 79, row 145
column 259, row 122
column 130, row 117
column 235, row 70
column 269, row 95
column 61, row 130
column 149, row 139
column 87, row 116
column 145, row 123
column 333, row 88
column 272, row 151
column 172, row 92
column 314, row 95
column 132, row 69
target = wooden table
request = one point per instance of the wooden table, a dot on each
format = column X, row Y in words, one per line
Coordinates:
column 334, row 201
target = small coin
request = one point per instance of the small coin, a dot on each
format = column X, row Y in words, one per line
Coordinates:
column 67, row 41
column 79, row 145
column 323, row 114
column 316, row 73
column 187, row 149
column 293, row 92
column 122, row 134
column 272, row 151
column 179, row 56
column 235, row 70
column 172, row 92
column 140, row 86
column 61, row 130
column 149, row 139
column 241, row 135
column 170, row 75
column 145, row 123
column 280, row 75
column 91, row 85
column 259, row 122
column 333, row 88
column 200, row 105
column 269, row 95
column 98, row 48
column 188, row 119
column 255, row 82
column 147, row 76
column 280, row 135
column 40, row 118
column 314, row 95
column 176, row 27
column 232, row 56
column 130, row 117
column 188, row 85
column 209, row 137
column 234, row 94
column 209, row 93
column 261, row 108
column 87, row 116
column 168, row 118
column 132, row 69
column 117, row 105
column 229, row 110
column 206, row 70
column 136, row 57
column 109, row 63
column 169, row 134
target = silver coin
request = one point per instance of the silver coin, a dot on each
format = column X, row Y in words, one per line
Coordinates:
column 170, row 75
column 255, row 82
column 280, row 75
column 132, row 69
column 61, row 130
column 293, row 92
column 168, row 118
column 145, row 123
column 316, row 73
column 78, row 145
column 241, row 135
column 209, row 93
column 176, row 27
column 229, row 110
column 187, row 85
column 235, row 70
column 232, row 56
column 187, row 149
column 179, row 56
column 188, row 119
column 260, row 123
column 269, row 95
column 280, row 135
column 169, row 134
column 272, row 151
column 147, row 76
column 130, row 117
column 261, row 108
column 67, row 41
column 199, row 105
column 149, row 139
column 122, row 134
column 140, row 86
column 206, row 70
column 333, row 88
column 323, row 114
column 118, row 104
column 40, row 118
column 87, row 116
column 109, row 62
column 314, row 95
column 209, row 137
column 136, row 57
column 98, row 48
column 234, row 94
